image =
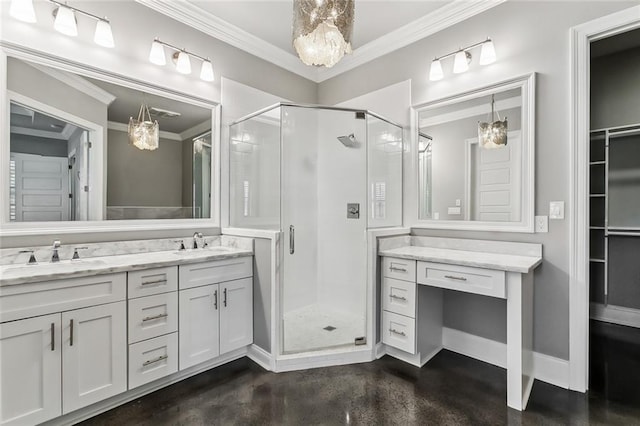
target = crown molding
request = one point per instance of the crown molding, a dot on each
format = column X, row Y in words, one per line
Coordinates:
column 441, row 18
column 77, row 82
column 195, row 17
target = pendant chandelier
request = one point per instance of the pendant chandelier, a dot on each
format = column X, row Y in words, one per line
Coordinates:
column 322, row 30
column 143, row 132
column 492, row 134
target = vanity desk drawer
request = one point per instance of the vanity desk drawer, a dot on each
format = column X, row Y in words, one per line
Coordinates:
column 153, row 316
column 153, row 359
column 400, row 269
column 486, row 282
column 399, row 331
column 217, row 271
column 399, row 297
column 152, row 281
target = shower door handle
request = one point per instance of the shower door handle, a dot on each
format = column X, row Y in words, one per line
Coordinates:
column 292, row 239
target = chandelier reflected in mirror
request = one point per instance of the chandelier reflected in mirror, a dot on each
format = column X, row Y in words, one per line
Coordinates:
column 322, row 30
column 493, row 134
column 144, row 133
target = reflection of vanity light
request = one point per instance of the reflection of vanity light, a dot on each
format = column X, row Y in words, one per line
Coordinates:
column 462, row 59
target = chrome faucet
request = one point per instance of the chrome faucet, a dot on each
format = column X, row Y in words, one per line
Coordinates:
column 195, row 239
column 54, row 256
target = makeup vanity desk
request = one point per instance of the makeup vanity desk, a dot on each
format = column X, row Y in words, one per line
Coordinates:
column 416, row 270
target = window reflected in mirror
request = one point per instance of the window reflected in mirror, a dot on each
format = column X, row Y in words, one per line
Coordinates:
column 467, row 170
column 72, row 155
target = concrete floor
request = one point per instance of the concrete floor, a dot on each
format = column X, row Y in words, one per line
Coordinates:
column 450, row 390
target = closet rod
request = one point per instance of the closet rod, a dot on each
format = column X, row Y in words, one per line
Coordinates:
column 624, row 234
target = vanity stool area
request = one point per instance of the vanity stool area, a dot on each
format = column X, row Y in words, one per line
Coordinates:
column 78, row 337
column 415, row 271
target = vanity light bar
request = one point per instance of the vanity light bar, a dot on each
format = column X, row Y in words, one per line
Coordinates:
column 65, row 20
column 181, row 58
column 462, row 59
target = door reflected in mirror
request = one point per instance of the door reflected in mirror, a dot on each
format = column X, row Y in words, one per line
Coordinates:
column 72, row 158
column 474, row 156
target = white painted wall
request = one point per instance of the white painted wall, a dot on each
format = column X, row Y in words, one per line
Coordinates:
column 523, row 46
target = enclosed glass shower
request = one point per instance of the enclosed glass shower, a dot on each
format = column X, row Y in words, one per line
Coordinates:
column 322, row 176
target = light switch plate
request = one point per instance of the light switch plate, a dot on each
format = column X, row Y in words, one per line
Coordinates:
column 556, row 210
column 458, row 203
column 436, row 215
column 453, row 211
column 542, row 224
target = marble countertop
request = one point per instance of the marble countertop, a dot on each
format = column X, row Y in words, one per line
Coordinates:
column 502, row 262
column 22, row 273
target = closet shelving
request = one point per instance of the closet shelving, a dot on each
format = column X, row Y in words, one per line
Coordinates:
column 614, row 224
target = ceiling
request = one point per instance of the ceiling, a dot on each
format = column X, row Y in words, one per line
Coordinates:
column 264, row 27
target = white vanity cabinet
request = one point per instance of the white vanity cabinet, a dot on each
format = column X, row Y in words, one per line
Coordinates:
column 153, row 324
column 55, row 363
column 216, row 309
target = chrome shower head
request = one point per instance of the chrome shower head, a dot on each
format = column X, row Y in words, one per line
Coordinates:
column 348, row 140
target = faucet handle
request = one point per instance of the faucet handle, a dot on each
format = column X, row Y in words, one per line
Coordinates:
column 32, row 258
column 56, row 244
column 182, row 247
column 76, row 256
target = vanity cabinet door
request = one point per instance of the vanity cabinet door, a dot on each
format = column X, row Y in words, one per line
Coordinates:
column 30, row 370
column 94, row 354
column 199, row 319
column 236, row 314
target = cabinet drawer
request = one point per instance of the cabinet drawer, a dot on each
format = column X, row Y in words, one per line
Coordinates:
column 30, row 300
column 400, row 269
column 399, row 331
column 487, row 282
column 153, row 316
column 152, row 281
column 153, row 359
column 217, row 271
column 399, row 296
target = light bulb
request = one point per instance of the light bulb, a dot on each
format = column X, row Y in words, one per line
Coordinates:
column 461, row 62
column 206, row 72
column 488, row 53
column 104, row 36
column 183, row 65
column 156, row 56
column 435, row 73
column 23, row 10
column 65, row 22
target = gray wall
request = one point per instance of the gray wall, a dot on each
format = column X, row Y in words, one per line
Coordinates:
column 39, row 146
column 522, row 46
column 615, row 89
column 143, row 178
column 262, row 293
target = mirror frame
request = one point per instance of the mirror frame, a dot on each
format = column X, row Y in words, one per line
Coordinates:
column 526, row 224
column 13, row 229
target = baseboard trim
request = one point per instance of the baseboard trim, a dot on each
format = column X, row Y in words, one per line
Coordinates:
column 261, row 357
column 324, row 360
column 546, row 368
column 381, row 350
column 117, row 400
column 615, row 314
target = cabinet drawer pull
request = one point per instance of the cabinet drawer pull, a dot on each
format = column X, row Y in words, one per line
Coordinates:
column 71, row 332
column 395, row 268
column 394, row 331
column 155, row 317
column 153, row 282
column 453, row 277
column 53, row 336
column 215, row 300
column 393, row 296
column 153, row 361
column 225, row 297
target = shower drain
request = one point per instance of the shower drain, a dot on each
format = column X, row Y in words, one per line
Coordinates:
column 329, row 328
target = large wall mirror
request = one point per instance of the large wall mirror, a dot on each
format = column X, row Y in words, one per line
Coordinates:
column 72, row 156
column 475, row 160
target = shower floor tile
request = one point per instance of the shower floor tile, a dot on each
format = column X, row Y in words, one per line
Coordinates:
column 315, row 327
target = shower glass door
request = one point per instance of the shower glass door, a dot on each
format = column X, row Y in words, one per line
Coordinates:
column 323, row 217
